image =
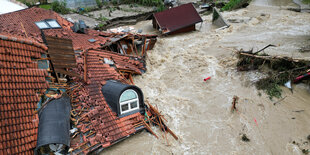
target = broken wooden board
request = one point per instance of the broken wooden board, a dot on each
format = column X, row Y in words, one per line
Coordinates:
column 62, row 55
column 61, row 52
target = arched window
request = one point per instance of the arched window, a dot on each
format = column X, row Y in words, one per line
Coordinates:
column 129, row 101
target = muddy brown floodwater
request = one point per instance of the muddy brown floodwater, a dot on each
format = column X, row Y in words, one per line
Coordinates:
column 200, row 112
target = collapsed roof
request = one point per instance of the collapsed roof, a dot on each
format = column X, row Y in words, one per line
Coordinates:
column 27, row 71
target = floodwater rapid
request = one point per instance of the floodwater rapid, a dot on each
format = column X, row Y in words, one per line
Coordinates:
column 199, row 111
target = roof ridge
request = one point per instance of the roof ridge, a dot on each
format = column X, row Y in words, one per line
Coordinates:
column 23, row 41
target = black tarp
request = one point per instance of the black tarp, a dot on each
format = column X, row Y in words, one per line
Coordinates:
column 54, row 122
column 112, row 92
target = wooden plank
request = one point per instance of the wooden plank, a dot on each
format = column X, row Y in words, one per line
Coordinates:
column 149, row 128
column 56, row 39
column 64, row 66
column 61, row 46
column 64, row 60
column 62, row 71
column 61, row 53
column 60, row 56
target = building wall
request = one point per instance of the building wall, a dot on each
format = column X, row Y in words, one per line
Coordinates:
column 72, row 4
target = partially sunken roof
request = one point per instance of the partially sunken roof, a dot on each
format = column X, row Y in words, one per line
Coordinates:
column 20, row 83
column 177, row 18
column 99, row 126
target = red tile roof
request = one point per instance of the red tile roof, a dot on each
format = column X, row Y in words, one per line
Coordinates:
column 177, row 18
column 22, row 22
column 99, row 125
column 79, row 41
column 20, row 81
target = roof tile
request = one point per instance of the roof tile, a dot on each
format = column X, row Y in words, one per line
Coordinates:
column 16, row 68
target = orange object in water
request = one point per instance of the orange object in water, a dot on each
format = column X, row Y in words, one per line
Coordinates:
column 207, row 78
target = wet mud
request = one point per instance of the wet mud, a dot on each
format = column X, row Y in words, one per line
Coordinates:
column 199, row 111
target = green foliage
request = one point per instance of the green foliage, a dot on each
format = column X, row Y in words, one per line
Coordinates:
column 114, row 2
column 270, row 86
column 60, row 7
column 100, row 26
column 46, row 6
column 157, row 3
column 29, row 3
column 235, row 4
column 306, row 1
column 280, row 70
column 99, row 3
column 102, row 18
column 160, row 8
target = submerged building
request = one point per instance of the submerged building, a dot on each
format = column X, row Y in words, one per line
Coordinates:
column 176, row 20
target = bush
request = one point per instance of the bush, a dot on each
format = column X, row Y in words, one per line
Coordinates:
column 235, row 4
column 156, row 3
column 306, row 1
column 60, row 7
column 28, row 3
column 46, row 6
column 99, row 3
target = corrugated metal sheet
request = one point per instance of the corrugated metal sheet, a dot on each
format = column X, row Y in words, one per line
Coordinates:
column 177, row 18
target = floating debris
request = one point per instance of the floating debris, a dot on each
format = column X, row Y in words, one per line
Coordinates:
column 282, row 68
column 234, row 102
column 245, row 138
column 218, row 20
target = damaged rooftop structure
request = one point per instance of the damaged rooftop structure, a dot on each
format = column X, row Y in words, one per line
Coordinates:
column 68, row 92
column 176, row 20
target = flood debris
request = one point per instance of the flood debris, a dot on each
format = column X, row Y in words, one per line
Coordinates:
column 130, row 44
column 218, row 20
column 176, row 20
column 304, row 49
column 299, row 111
column 170, row 3
column 234, row 102
column 207, row 78
column 154, row 117
column 279, row 69
column 245, row 138
column 280, row 100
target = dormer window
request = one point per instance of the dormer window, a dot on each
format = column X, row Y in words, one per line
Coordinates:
column 123, row 99
column 48, row 24
column 129, row 101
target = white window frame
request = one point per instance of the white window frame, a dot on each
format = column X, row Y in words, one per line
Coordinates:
column 49, row 24
column 128, row 102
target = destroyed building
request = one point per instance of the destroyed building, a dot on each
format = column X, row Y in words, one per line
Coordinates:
column 176, row 20
column 42, row 60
